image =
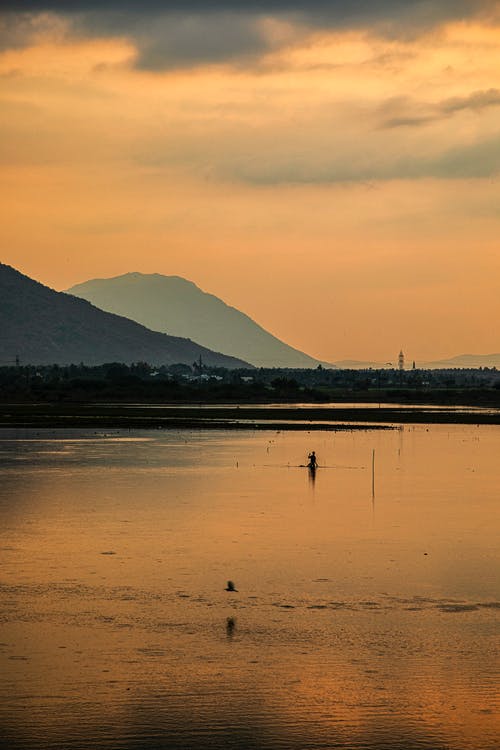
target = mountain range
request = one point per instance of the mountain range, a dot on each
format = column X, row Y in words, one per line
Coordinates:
column 42, row 326
column 176, row 306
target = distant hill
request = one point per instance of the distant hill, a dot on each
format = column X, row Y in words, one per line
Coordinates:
column 356, row 364
column 464, row 361
column 176, row 306
column 42, row 326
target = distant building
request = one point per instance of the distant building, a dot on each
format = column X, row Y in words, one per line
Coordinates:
column 401, row 361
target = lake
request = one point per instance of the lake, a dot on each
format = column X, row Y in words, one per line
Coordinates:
column 367, row 606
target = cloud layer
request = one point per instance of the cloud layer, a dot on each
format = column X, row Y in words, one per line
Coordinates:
column 175, row 33
column 402, row 112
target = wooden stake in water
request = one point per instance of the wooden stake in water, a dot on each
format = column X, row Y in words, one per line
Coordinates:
column 373, row 474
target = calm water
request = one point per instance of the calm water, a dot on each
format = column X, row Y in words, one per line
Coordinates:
column 366, row 614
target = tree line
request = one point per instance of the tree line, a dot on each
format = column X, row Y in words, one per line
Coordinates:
column 145, row 382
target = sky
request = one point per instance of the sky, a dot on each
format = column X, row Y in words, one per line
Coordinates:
column 329, row 168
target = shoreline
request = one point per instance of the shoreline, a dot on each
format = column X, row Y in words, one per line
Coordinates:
column 243, row 417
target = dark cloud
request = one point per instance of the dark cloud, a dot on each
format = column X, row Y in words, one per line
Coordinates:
column 403, row 113
column 199, row 39
column 176, row 39
column 331, row 8
column 476, row 101
column 21, row 29
column 408, row 122
column 479, row 160
column 163, row 40
column 187, row 32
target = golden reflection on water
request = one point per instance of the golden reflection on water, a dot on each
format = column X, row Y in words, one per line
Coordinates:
column 362, row 619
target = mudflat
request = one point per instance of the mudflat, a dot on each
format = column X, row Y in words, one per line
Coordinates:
column 269, row 417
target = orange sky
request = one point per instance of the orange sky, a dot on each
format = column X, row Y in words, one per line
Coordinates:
column 339, row 185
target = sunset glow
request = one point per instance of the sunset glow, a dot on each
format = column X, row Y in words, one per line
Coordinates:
column 334, row 176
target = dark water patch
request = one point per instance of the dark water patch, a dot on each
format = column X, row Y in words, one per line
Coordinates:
column 458, row 607
column 318, row 606
column 152, row 651
column 47, row 601
column 423, row 603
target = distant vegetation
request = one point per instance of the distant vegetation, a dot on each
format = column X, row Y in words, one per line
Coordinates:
column 144, row 383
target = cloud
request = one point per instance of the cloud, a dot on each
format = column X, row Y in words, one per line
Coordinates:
column 473, row 161
column 478, row 160
column 25, row 29
column 408, row 122
column 163, row 40
column 476, row 101
column 189, row 32
column 331, row 8
column 401, row 112
column 176, row 39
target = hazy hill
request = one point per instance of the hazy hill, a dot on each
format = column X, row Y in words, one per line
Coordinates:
column 464, row 361
column 176, row 306
column 44, row 327
column 357, row 364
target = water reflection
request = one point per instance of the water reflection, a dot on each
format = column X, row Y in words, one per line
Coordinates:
column 349, row 630
column 230, row 626
column 312, row 475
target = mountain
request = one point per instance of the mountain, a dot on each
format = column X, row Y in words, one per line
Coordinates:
column 175, row 305
column 42, row 326
column 465, row 361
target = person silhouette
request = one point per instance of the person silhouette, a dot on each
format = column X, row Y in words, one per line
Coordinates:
column 312, row 460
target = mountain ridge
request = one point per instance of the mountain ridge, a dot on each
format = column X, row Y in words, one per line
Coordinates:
column 178, row 306
column 43, row 326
